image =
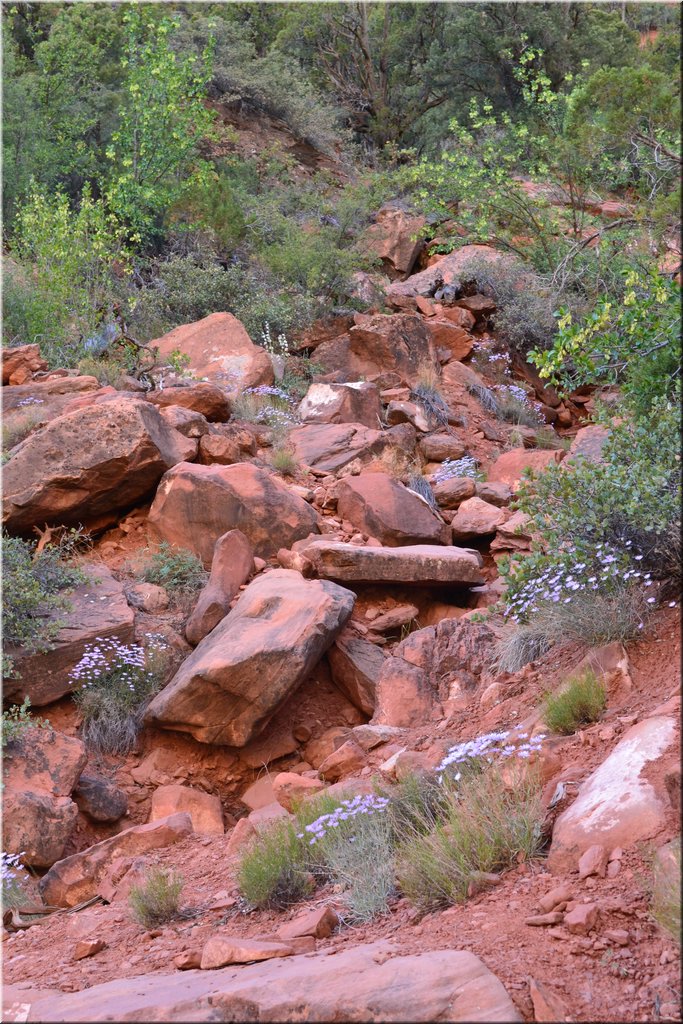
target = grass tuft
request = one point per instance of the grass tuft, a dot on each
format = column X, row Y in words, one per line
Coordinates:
column 486, row 826
column 157, row 900
column 581, row 702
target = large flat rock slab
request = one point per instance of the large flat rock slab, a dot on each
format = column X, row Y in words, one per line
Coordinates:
column 244, row 670
column 328, row 447
column 420, row 564
column 219, row 348
column 443, row 985
column 96, row 609
column 616, row 805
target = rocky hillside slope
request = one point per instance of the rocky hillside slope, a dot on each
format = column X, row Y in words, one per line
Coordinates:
column 335, row 643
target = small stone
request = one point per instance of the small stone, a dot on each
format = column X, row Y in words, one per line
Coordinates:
column 613, row 868
column 617, row 935
column 616, row 854
column 319, row 923
column 222, row 950
column 537, row 920
column 188, row 961
column 301, row 733
column 88, row 947
column 582, row 918
column 593, row 861
column 560, row 894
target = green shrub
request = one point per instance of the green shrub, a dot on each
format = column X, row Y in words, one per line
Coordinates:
column 157, row 900
column 273, row 872
column 485, row 827
column 108, row 370
column 16, row 432
column 363, row 865
column 176, row 569
column 16, row 722
column 33, row 586
column 284, row 461
column 580, row 702
column 112, row 686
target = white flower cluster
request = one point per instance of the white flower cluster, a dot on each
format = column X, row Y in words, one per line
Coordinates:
column 490, row 746
column 279, row 347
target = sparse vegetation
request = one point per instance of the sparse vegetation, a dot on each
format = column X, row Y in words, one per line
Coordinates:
column 177, row 570
column 487, row 824
column 112, row 686
column 666, row 894
column 579, row 702
column 33, row 586
column 16, row 722
column 157, row 900
column 284, row 461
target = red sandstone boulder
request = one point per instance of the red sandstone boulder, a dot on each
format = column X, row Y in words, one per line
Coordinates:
column 40, row 771
column 219, row 348
column 20, row 362
column 447, row 271
column 432, row 669
column 437, row 447
column 355, row 665
column 419, row 564
column 381, row 343
column 380, row 507
column 224, row 949
column 290, row 789
column 328, row 447
column 510, row 466
column 357, row 402
column 195, row 505
column 244, row 670
column 362, row 983
column 208, row 399
column 204, row 809
column 231, row 566
column 395, row 238
column 456, row 340
column 97, row 609
column 476, row 518
column 90, row 462
column 453, row 492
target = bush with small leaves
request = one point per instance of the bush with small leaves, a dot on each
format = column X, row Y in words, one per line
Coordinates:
column 581, row 702
column 176, row 569
column 33, row 585
column 157, row 900
column 16, row 722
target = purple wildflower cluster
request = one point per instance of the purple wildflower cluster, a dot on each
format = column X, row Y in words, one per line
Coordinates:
column 10, row 868
column 559, row 583
column 518, row 393
column 368, row 804
column 270, row 414
column 31, row 401
column 108, row 657
column 450, row 468
column 490, row 746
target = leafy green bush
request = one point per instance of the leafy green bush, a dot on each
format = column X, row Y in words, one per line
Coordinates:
column 485, row 827
column 157, row 900
column 274, row 871
column 63, row 281
column 580, row 702
column 32, row 587
column 112, row 686
column 176, row 569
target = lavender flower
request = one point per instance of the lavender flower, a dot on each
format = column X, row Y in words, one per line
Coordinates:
column 491, row 746
column 368, row 804
column 450, row 468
